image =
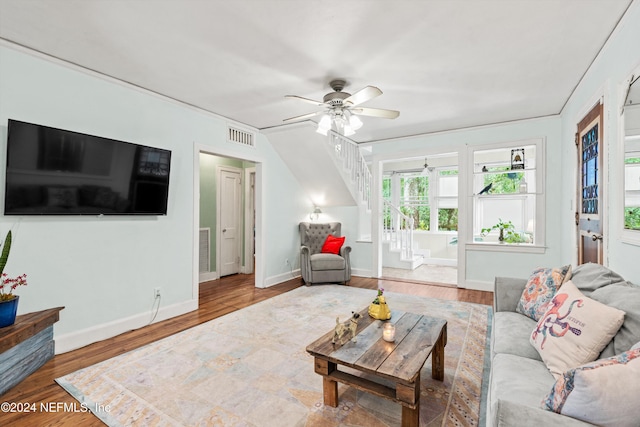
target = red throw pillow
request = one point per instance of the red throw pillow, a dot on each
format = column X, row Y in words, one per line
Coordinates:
column 332, row 245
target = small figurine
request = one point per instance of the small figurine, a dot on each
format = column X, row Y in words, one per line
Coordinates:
column 349, row 327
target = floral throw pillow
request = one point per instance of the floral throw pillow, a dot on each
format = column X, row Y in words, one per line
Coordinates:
column 541, row 287
column 603, row 392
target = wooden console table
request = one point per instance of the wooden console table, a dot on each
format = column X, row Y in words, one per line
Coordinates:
column 26, row 345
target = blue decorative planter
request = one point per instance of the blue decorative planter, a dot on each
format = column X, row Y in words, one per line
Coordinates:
column 8, row 310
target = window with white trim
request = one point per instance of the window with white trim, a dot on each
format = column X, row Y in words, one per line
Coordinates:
column 507, row 194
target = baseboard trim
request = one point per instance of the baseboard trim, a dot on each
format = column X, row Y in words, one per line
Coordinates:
column 280, row 278
column 361, row 272
column 77, row 339
column 478, row 286
column 205, row 277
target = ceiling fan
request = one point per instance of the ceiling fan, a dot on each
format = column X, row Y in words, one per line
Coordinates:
column 342, row 108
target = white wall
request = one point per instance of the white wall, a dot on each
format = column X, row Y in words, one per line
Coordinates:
column 606, row 79
column 103, row 270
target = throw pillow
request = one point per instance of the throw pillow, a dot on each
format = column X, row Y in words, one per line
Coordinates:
column 574, row 329
column 591, row 276
column 332, row 244
column 541, row 287
column 626, row 297
column 603, row 392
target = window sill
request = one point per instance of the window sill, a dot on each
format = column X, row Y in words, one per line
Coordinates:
column 631, row 237
column 506, row 247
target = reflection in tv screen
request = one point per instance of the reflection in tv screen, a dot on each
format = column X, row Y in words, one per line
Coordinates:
column 58, row 172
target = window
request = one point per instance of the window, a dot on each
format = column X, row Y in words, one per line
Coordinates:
column 506, row 184
column 432, row 207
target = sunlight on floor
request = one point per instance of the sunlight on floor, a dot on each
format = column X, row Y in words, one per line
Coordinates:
column 424, row 273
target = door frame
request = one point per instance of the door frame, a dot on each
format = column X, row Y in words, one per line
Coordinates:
column 239, row 217
column 600, row 97
column 259, row 206
column 249, row 220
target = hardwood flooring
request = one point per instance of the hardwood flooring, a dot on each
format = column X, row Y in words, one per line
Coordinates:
column 217, row 298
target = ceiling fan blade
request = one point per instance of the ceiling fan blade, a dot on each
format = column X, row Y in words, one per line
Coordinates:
column 363, row 95
column 304, row 116
column 310, row 101
column 375, row 112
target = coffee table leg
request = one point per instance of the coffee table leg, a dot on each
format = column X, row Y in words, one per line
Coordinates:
column 411, row 417
column 329, row 386
column 411, row 395
column 330, row 389
column 437, row 356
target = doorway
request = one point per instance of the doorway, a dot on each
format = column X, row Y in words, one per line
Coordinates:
column 222, row 177
column 589, row 212
column 229, row 230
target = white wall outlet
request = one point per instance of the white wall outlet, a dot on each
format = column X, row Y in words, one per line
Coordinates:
column 156, row 292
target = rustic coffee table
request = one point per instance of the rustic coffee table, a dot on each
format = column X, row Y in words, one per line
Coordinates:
column 417, row 336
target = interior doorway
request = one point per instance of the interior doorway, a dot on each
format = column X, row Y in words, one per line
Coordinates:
column 419, row 231
column 229, row 215
column 227, row 211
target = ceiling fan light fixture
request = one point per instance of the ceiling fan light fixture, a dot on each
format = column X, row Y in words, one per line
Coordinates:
column 355, row 122
column 324, row 125
column 347, row 130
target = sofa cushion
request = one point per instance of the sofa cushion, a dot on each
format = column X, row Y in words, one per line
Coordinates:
column 574, row 330
column 589, row 277
column 541, row 287
column 327, row 262
column 626, row 297
column 519, row 380
column 604, row 392
column 511, row 333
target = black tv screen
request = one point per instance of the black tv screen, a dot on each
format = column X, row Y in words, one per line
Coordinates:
column 58, row 172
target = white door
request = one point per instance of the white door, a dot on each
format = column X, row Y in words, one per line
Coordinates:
column 229, row 213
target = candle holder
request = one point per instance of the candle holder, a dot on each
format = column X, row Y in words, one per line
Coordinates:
column 389, row 332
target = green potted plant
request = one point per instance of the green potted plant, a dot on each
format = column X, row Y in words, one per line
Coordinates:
column 8, row 301
column 507, row 231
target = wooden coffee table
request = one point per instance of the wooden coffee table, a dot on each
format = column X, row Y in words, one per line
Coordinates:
column 417, row 336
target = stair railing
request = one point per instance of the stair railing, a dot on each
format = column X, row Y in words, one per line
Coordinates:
column 398, row 230
column 354, row 165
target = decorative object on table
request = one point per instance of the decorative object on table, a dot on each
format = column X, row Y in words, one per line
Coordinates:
column 517, row 158
column 8, row 301
column 379, row 309
column 348, row 327
column 389, row 332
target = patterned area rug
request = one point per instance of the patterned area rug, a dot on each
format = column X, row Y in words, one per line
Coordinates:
column 250, row 368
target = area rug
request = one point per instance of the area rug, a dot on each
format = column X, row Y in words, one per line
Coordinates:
column 250, row 368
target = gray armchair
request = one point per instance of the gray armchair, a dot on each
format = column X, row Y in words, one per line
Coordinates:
column 317, row 267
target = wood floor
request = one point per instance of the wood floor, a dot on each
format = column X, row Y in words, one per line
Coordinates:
column 217, row 298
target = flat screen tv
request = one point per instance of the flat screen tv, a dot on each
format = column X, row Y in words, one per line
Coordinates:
column 58, row 172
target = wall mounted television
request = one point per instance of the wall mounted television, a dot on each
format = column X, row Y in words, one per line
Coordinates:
column 58, row 172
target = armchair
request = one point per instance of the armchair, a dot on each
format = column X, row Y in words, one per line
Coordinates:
column 318, row 267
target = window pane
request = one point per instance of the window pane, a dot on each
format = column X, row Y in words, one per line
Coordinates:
column 448, row 219
column 448, row 186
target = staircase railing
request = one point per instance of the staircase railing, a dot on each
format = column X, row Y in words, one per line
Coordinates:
column 398, row 230
column 353, row 163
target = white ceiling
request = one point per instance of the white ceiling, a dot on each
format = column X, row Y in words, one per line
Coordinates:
column 445, row 64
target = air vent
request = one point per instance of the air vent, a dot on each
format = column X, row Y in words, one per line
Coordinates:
column 241, row 137
column 205, row 249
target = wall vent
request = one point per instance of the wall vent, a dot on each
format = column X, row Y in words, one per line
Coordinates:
column 241, row 137
column 205, row 250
